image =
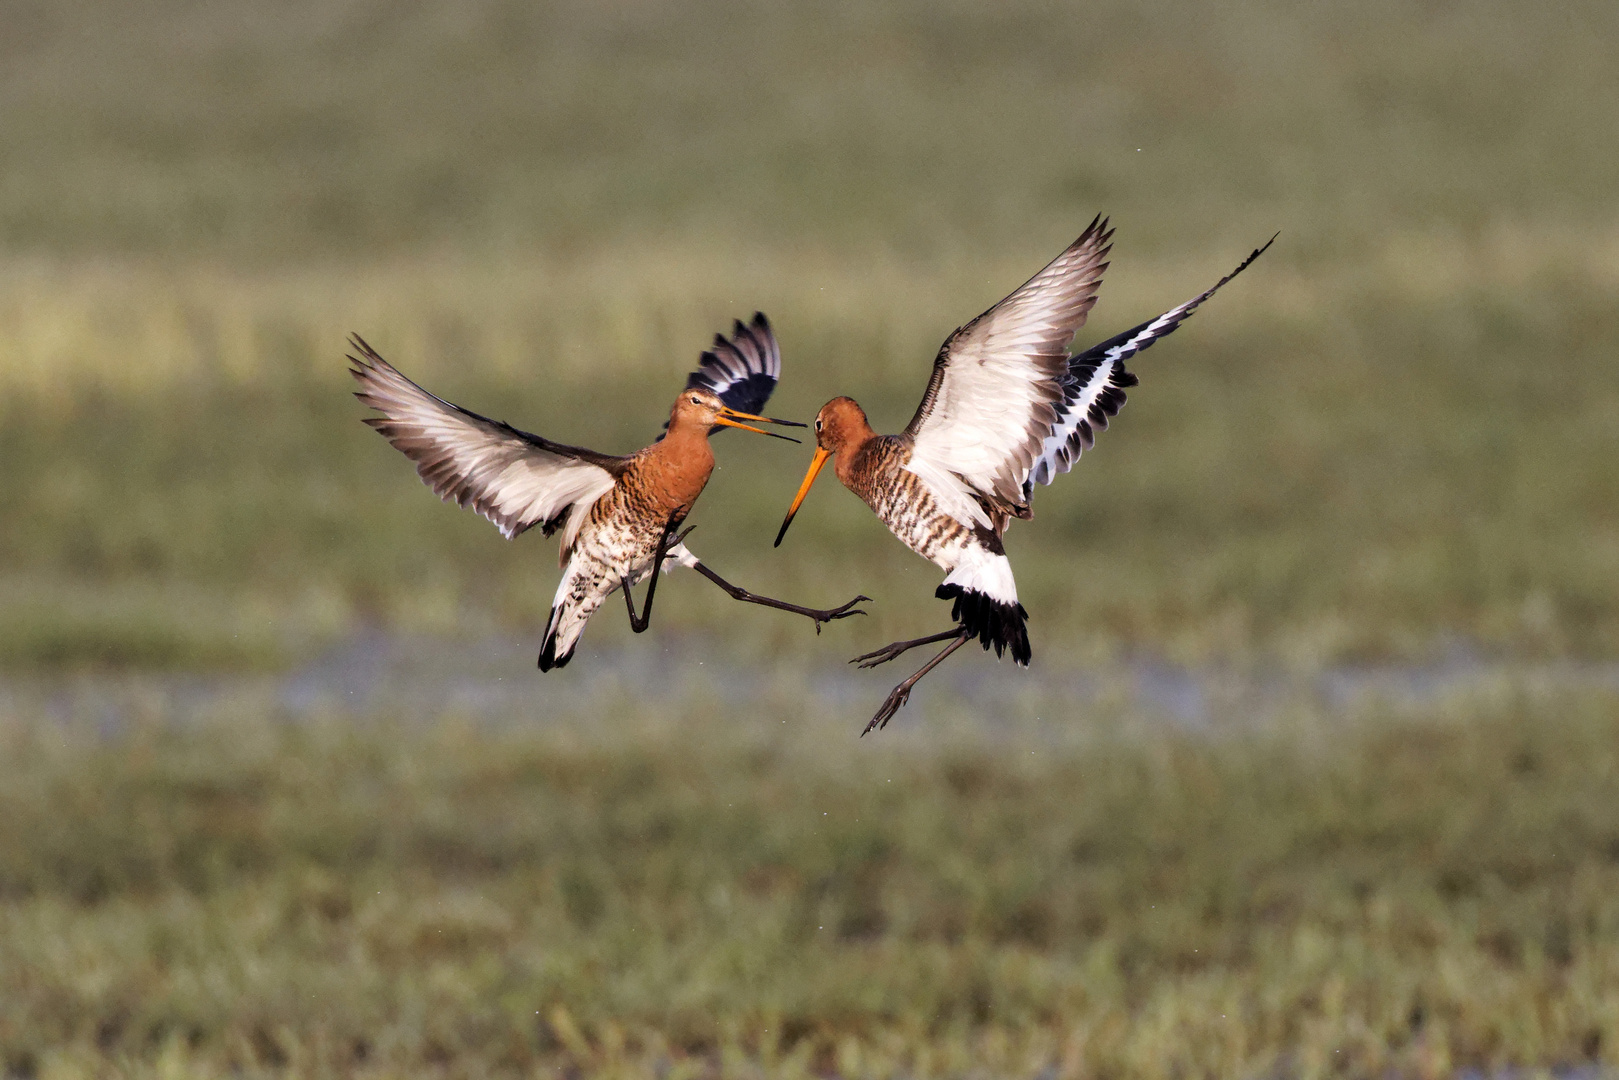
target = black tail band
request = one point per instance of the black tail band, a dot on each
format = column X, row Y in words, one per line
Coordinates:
column 548, row 650
column 990, row 621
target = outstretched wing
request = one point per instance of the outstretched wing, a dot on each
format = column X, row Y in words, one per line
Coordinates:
column 1093, row 393
column 514, row 479
column 996, row 384
column 742, row 369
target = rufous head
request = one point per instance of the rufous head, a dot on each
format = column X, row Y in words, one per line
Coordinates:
column 701, row 411
column 841, row 425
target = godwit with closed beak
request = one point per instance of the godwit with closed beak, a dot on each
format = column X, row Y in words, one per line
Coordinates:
column 618, row 514
column 1007, row 406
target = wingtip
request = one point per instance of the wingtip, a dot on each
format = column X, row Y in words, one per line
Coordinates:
column 368, row 359
column 757, row 330
column 1098, row 235
column 1252, row 255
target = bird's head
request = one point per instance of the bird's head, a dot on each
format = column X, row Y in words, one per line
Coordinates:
column 700, row 410
column 840, row 425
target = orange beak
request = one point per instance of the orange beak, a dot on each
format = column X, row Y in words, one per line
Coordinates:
column 821, row 456
column 725, row 419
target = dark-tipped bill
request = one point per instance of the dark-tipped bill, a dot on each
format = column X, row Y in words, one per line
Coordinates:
column 821, row 455
column 724, row 418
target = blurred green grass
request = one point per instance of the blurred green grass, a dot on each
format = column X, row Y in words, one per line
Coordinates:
column 1333, row 464
column 660, row 891
column 181, row 127
column 1394, row 432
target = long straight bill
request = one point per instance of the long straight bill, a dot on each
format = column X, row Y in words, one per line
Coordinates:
column 724, row 419
column 821, row 455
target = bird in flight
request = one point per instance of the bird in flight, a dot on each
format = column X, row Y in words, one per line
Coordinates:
column 1007, row 407
column 618, row 514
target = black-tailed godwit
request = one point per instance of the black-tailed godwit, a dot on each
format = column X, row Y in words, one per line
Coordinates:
column 617, row 514
column 1007, row 407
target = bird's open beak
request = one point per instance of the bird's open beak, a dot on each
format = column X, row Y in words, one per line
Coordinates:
column 821, row 454
column 729, row 418
column 762, row 419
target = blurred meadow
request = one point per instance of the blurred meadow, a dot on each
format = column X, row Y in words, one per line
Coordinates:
column 1392, row 443
column 675, row 894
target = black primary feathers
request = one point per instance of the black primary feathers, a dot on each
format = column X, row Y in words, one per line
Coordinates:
column 1093, row 391
column 742, row 369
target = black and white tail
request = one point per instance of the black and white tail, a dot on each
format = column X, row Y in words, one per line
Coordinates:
column 986, row 603
column 580, row 592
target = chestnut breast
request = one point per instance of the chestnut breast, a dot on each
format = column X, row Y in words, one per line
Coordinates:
column 667, row 477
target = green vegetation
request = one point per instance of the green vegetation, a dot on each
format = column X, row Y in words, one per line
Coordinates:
column 679, row 895
column 1397, row 430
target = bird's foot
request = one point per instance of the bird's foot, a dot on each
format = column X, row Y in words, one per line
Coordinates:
column 896, row 649
column 841, row 612
column 896, row 700
column 892, row 651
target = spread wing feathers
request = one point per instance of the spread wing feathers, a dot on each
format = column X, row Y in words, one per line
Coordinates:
column 514, row 479
column 742, row 369
column 1093, row 393
column 996, row 384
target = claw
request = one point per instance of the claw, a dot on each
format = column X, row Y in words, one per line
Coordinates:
column 881, row 656
column 895, row 701
column 902, row 693
column 841, row 612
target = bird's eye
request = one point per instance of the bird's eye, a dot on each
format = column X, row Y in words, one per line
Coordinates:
column 817, row 423
column 696, row 401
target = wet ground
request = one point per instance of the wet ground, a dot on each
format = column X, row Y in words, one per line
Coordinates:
column 494, row 679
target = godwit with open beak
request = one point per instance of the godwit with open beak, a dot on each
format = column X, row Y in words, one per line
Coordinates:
column 618, row 515
column 1007, row 406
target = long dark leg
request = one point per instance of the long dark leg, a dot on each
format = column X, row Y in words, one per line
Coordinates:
column 629, row 602
column 902, row 693
column 900, row 648
column 640, row 624
column 819, row 615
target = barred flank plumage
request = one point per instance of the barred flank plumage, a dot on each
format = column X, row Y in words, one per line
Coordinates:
column 876, row 472
column 901, row 500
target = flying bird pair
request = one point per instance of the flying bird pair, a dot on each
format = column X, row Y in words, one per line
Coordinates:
column 1006, row 407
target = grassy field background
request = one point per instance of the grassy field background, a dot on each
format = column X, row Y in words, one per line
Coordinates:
column 675, row 894
column 1396, row 431
column 1395, row 438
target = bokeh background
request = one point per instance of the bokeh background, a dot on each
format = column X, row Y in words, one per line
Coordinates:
column 1317, row 770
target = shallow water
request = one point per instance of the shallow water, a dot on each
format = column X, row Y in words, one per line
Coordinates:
column 493, row 679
